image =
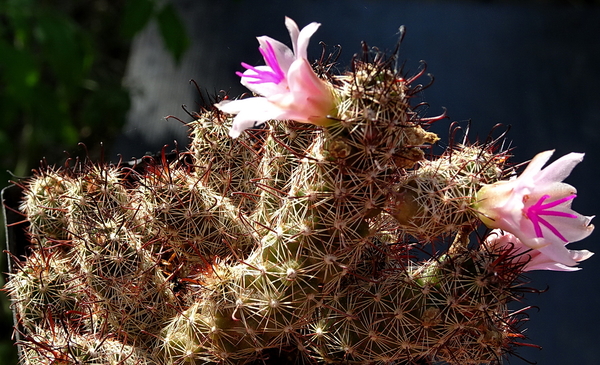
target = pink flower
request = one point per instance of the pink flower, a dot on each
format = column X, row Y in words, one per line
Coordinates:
column 498, row 240
column 536, row 207
column 288, row 86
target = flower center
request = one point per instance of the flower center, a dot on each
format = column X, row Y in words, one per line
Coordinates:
column 275, row 74
column 538, row 209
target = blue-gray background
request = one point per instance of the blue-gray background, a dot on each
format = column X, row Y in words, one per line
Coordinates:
column 535, row 67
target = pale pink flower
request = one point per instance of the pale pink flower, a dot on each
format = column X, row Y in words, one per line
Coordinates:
column 288, row 85
column 498, row 240
column 536, row 207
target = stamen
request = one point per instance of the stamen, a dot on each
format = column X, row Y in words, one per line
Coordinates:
column 535, row 211
column 274, row 75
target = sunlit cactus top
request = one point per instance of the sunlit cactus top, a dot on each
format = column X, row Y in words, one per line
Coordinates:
column 333, row 234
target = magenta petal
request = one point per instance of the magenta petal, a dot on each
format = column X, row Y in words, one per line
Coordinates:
column 260, row 76
column 536, row 210
column 271, row 60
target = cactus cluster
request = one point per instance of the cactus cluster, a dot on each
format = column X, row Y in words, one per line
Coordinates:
column 294, row 243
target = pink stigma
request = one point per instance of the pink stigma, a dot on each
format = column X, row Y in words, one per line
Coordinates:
column 274, row 75
column 535, row 211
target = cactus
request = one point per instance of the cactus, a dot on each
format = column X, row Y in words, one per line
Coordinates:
column 333, row 242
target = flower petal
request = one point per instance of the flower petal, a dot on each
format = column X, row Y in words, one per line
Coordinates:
column 251, row 112
column 559, row 169
column 553, row 266
column 536, row 259
column 283, row 53
column 309, row 91
column 301, row 38
column 574, row 229
column 535, row 165
column 294, row 31
column 581, row 255
column 558, row 253
column 265, row 88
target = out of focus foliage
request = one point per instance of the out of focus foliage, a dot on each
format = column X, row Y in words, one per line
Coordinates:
column 61, row 69
column 61, row 76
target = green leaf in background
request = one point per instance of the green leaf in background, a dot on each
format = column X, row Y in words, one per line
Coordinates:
column 136, row 15
column 65, row 44
column 113, row 100
column 18, row 73
column 173, row 31
column 4, row 142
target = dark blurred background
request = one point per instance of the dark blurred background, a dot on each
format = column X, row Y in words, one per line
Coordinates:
column 109, row 72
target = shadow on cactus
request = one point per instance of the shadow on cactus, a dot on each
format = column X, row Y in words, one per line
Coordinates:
column 328, row 235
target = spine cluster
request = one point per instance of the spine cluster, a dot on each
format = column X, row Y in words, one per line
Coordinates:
column 290, row 244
